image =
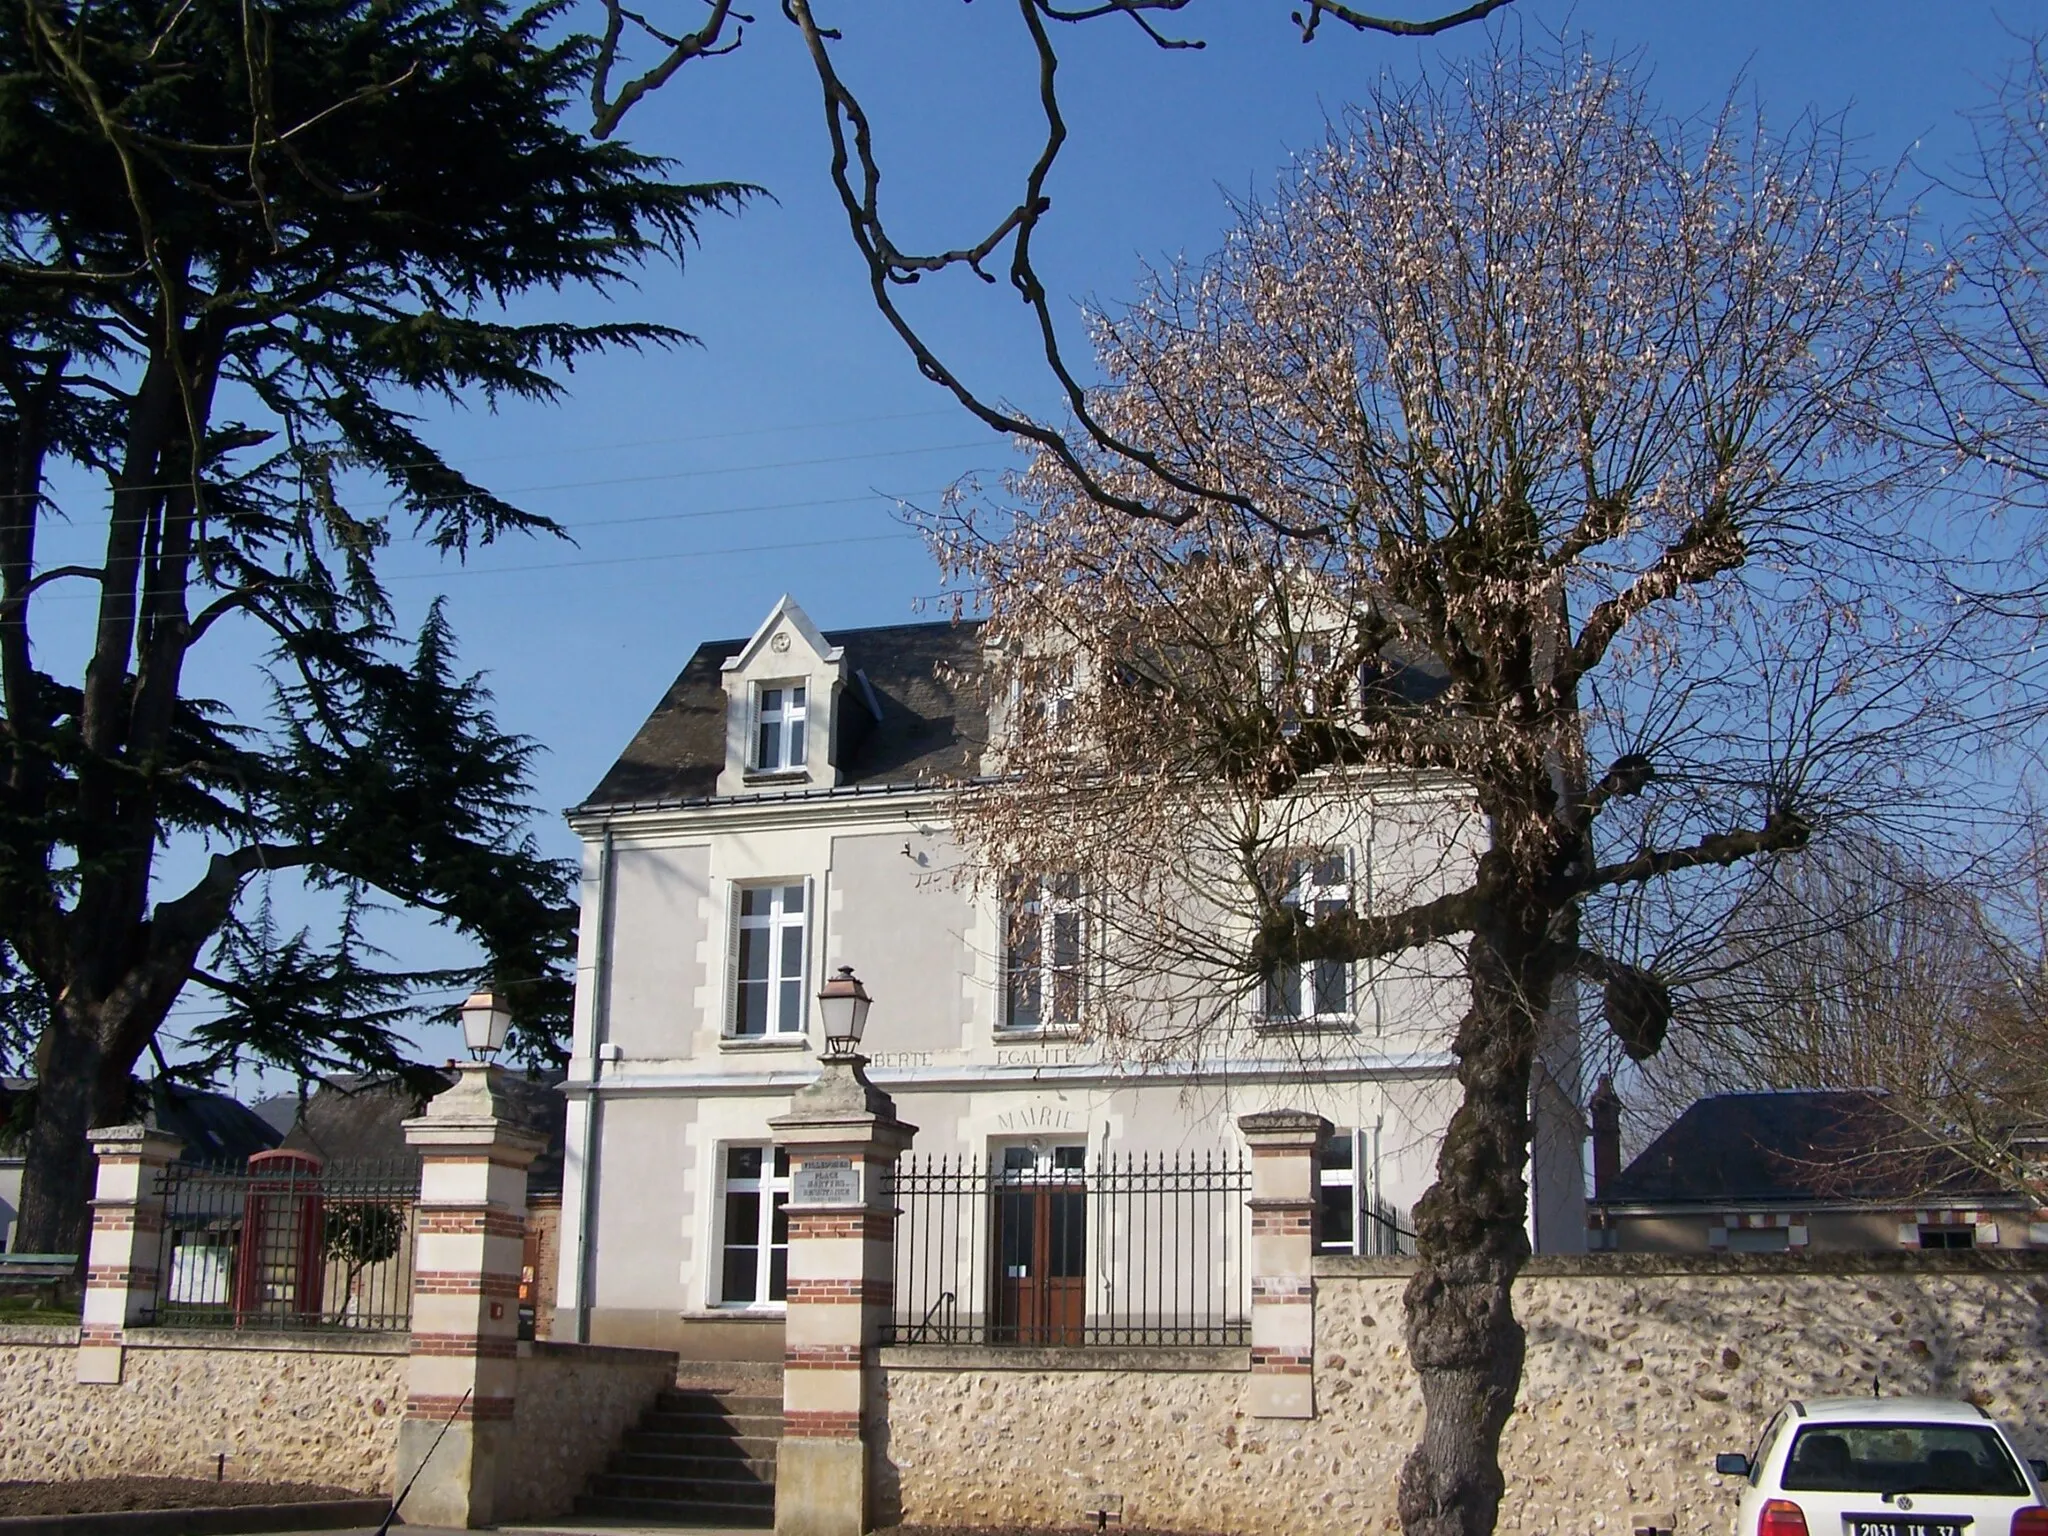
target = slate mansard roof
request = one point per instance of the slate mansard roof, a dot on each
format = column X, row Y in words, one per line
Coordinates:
column 930, row 727
column 1832, row 1147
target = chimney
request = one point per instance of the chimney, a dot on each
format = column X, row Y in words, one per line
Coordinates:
column 1605, row 1110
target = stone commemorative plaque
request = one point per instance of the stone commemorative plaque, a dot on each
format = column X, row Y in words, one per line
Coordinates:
column 826, row 1181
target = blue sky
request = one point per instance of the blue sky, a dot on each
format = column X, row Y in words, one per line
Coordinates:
column 700, row 485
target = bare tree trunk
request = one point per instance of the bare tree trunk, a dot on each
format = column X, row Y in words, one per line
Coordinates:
column 72, row 1097
column 1463, row 1339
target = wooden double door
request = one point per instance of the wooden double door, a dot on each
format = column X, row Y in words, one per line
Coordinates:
column 1040, row 1231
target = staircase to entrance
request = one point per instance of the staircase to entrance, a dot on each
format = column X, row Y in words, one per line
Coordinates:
column 701, row 1456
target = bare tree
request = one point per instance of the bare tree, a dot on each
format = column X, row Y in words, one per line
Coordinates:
column 1858, row 967
column 636, row 55
column 1988, row 359
column 1508, row 491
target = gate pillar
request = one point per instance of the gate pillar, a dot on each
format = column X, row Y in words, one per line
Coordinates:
column 123, row 1275
column 456, row 1437
column 1287, row 1149
column 843, row 1138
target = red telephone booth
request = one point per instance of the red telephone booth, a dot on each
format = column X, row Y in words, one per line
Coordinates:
column 279, row 1269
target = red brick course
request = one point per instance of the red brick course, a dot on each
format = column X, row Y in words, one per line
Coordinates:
column 1288, row 1290
column 823, row 1356
column 1275, row 1362
column 878, row 1225
column 470, row 1220
column 817, row 1424
column 442, row 1407
column 109, row 1277
column 466, row 1345
column 465, row 1282
column 878, row 1293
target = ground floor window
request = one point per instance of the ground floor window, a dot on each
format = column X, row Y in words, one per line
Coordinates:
column 1356, row 1218
column 1948, row 1237
column 753, row 1226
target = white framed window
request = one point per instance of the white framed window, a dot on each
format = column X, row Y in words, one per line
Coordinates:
column 753, row 1226
column 1309, row 688
column 780, row 711
column 768, row 970
column 1356, row 1218
column 1315, row 991
column 1337, row 1232
column 1043, row 963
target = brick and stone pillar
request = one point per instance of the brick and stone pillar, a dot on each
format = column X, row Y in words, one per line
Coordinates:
column 1287, row 1149
column 465, row 1301
column 843, row 1138
column 126, row 1248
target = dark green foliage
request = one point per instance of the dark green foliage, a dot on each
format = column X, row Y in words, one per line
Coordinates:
column 235, row 240
column 358, row 1234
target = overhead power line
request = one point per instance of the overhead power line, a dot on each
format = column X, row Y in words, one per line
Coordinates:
column 576, row 485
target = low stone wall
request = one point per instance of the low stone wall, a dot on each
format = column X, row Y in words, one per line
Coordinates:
column 283, row 1407
column 573, row 1403
column 1639, row 1369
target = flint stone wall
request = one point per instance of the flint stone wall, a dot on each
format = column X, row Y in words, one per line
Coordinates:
column 283, row 1408
column 574, row 1403
column 1639, row 1369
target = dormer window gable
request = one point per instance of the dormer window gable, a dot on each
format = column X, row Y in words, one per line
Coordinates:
column 782, row 690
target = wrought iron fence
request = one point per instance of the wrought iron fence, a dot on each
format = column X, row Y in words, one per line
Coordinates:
column 286, row 1242
column 1381, row 1235
column 1142, row 1250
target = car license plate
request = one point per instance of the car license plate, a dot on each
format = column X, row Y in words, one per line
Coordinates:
column 1875, row 1525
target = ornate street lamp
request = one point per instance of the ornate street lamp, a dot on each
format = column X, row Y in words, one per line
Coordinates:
column 844, row 1006
column 485, row 1023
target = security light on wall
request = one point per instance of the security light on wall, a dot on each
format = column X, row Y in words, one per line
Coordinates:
column 844, row 1007
column 485, row 1023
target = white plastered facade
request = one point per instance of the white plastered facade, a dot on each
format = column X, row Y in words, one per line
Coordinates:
column 660, row 1088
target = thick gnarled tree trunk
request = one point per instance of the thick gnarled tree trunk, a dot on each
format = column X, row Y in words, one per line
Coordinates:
column 1472, row 1235
column 78, row 1087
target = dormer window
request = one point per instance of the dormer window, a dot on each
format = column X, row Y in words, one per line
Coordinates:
column 779, row 737
column 782, row 699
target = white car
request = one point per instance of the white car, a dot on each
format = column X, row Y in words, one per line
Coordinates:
column 1886, row 1466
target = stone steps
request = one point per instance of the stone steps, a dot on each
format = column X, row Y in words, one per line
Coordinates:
column 699, row 1456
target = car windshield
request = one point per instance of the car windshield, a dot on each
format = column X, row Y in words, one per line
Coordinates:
column 1901, row 1458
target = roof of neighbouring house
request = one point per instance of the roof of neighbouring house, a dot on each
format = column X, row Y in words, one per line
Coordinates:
column 931, row 725
column 362, row 1118
column 214, row 1127
column 1837, row 1146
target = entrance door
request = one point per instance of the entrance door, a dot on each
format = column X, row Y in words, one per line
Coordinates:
column 1041, row 1246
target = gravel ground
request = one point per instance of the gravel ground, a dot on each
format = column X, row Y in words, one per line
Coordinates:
column 98, row 1495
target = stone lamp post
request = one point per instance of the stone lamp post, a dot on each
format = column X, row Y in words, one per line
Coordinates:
column 843, row 1139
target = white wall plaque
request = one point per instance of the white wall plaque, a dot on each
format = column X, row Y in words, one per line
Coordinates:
column 826, row 1181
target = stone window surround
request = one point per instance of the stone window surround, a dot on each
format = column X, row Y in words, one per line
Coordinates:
column 774, row 926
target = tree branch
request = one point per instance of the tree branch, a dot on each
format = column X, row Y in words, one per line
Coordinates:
column 20, row 597
column 1289, row 937
column 1710, row 545
column 1393, row 26
column 1783, row 831
column 702, row 43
